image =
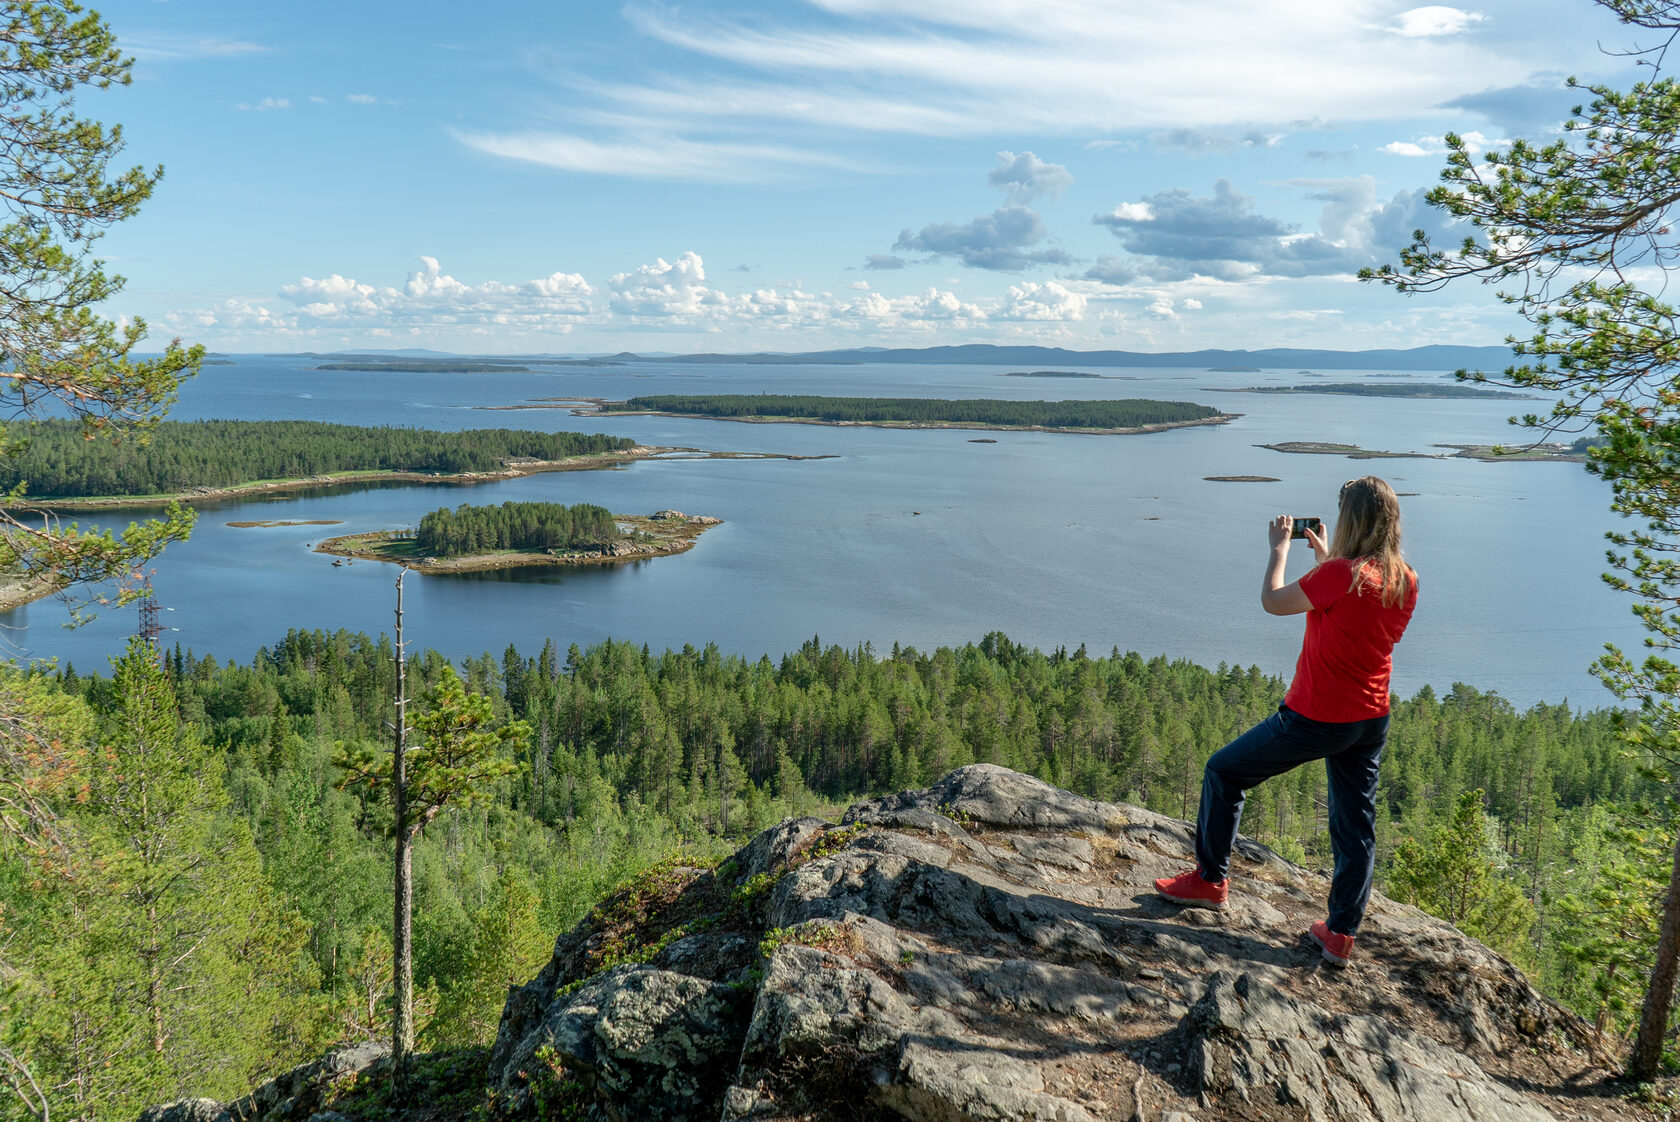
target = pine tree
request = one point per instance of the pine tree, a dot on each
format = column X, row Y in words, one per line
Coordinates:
column 57, row 352
column 458, row 755
column 170, row 967
column 1452, row 873
column 507, row 947
column 1580, row 233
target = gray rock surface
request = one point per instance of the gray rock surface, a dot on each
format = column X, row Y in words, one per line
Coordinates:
column 297, row 1095
column 643, row 1042
column 186, row 1110
column 1251, row 1042
column 301, row 1092
column 991, row 949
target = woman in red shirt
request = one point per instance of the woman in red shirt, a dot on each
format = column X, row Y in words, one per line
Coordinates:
column 1358, row 601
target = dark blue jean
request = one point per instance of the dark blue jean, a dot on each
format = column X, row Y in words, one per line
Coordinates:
column 1350, row 750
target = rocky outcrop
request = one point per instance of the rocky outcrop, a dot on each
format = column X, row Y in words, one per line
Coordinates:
column 991, row 949
column 298, row 1095
column 679, row 516
column 639, row 1042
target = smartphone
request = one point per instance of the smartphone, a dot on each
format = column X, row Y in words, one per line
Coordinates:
column 1305, row 523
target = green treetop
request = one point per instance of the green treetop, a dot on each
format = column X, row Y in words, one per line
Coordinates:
column 57, row 353
column 1579, row 235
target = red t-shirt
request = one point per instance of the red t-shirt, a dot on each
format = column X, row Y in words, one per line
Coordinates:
column 1342, row 674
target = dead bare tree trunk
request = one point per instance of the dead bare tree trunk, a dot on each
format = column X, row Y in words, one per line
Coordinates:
column 402, row 947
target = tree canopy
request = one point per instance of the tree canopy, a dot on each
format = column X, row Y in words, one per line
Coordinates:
column 58, row 353
column 1579, row 235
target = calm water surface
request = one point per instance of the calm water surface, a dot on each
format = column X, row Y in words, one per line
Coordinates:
column 920, row 537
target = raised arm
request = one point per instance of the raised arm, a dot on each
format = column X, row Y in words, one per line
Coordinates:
column 1276, row 597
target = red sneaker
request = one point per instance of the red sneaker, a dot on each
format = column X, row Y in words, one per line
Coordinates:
column 1337, row 948
column 1190, row 888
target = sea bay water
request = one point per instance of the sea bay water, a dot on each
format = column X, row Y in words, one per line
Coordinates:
column 921, row 537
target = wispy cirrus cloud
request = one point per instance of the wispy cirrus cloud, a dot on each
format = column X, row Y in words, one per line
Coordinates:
column 806, row 82
column 658, row 157
column 181, row 48
column 1039, row 64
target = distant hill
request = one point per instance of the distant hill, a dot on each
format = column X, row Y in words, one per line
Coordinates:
column 985, row 354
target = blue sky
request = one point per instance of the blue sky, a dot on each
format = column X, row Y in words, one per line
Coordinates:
column 586, row 177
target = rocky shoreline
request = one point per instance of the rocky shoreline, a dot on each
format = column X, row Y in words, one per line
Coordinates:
column 16, row 592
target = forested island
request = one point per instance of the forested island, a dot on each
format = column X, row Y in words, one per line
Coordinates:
column 637, row 756
column 1122, row 416
column 473, row 538
column 1392, row 389
column 204, row 459
column 1053, row 374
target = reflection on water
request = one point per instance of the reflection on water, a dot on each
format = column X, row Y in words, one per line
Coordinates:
column 540, row 574
column 912, row 536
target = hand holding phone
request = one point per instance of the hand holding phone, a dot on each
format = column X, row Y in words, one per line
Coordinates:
column 1304, row 523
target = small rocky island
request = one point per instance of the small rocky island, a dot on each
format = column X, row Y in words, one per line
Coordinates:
column 1542, row 451
column 519, row 534
column 1052, row 374
column 1393, row 389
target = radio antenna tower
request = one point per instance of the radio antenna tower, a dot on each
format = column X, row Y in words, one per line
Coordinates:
column 150, row 626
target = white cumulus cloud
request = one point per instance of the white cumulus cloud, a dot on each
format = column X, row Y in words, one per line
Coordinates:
column 1434, row 19
column 664, row 288
column 1474, row 142
column 431, row 297
column 1047, row 301
column 1026, row 177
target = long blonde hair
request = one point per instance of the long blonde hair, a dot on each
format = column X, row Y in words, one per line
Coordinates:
column 1368, row 533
